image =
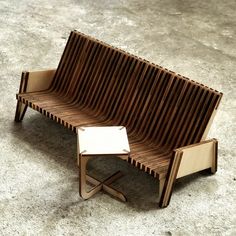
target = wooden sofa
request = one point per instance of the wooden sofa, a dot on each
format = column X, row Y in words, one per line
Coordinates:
column 167, row 115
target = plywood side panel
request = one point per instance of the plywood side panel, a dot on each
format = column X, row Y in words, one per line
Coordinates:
column 197, row 157
column 39, row 80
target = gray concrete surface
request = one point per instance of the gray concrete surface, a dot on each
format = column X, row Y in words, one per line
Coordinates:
column 38, row 173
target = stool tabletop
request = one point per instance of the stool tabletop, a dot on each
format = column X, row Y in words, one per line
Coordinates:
column 102, row 140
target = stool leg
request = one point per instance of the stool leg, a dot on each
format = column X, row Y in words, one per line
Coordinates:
column 107, row 188
column 82, row 179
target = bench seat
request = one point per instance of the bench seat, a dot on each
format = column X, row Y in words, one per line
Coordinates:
column 150, row 157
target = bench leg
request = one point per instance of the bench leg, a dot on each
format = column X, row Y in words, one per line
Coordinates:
column 161, row 186
column 215, row 157
column 170, row 180
column 20, row 111
column 21, row 107
column 98, row 185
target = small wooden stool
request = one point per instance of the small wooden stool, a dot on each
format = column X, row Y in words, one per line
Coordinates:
column 100, row 141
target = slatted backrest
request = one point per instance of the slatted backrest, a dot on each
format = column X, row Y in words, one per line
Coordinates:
column 154, row 103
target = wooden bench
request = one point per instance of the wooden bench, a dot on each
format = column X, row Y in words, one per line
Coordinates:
column 167, row 115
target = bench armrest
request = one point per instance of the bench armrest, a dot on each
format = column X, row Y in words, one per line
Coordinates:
column 35, row 81
column 197, row 157
column 187, row 160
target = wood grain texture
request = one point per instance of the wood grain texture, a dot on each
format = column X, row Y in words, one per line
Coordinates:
column 96, row 84
column 197, row 157
column 39, row 80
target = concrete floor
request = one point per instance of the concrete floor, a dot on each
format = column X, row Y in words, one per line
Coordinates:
column 38, row 173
